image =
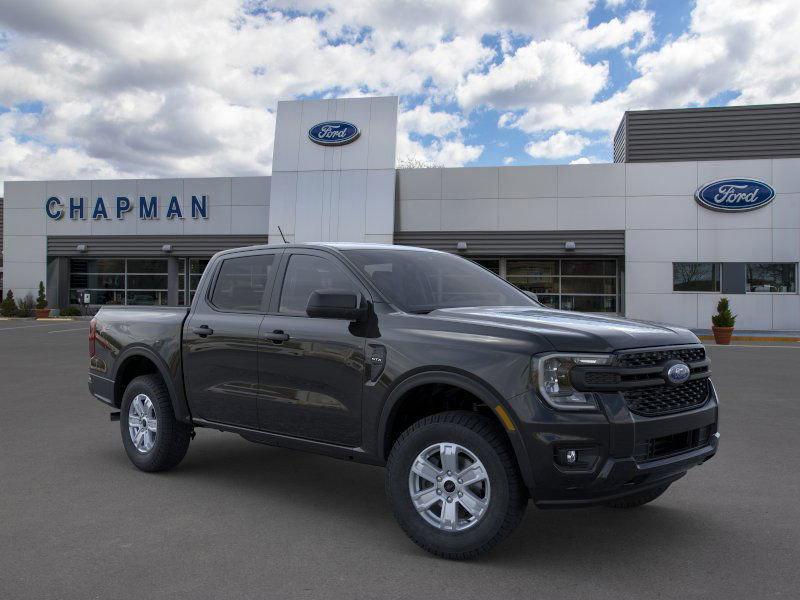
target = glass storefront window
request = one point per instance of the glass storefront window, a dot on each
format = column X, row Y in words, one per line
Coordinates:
column 772, row 277
column 119, row 281
column 493, row 264
column 196, row 268
column 570, row 284
column 696, row 277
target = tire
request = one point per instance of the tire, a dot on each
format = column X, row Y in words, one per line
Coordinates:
column 158, row 450
column 639, row 499
column 465, row 536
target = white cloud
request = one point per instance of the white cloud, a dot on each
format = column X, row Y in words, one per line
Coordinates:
column 539, row 72
column 616, row 32
column 188, row 87
column 745, row 47
column 559, row 145
column 509, row 160
column 587, row 160
column 447, row 153
column 423, row 120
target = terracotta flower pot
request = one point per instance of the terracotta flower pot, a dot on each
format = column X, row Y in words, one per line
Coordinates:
column 42, row 313
column 722, row 335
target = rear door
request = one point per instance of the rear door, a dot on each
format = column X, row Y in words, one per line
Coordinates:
column 221, row 337
column 311, row 370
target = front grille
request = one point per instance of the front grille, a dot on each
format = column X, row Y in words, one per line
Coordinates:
column 602, row 378
column 670, row 445
column 656, row 357
column 663, row 399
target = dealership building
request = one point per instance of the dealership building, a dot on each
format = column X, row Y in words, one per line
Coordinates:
column 698, row 204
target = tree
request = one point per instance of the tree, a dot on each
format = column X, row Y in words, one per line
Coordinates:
column 25, row 306
column 414, row 162
column 8, row 308
column 41, row 299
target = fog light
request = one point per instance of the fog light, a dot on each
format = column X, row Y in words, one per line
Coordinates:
column 572, row 457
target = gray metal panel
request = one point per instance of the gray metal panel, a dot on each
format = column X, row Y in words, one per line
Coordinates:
column 1, row 236
column 719, row 133
column 518, row 243
column 620, row 139
column 734, row 278
column 148, row 245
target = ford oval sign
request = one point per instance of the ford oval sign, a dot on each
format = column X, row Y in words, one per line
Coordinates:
column 333, row 133
column 735, row 195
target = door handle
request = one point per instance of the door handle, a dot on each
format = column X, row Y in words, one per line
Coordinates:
column 277, row 336
column 203, row 330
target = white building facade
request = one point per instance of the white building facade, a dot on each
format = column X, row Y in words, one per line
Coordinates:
column 629, row 238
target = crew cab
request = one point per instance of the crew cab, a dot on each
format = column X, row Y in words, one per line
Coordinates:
column 475, row 397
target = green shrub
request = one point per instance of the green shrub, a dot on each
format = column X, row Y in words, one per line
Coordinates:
column 70, row 311
column 724, row 316
column 41, row 299
column 25, row 306
column 8, row 308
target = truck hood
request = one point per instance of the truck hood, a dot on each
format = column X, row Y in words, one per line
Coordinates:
column 571, row 331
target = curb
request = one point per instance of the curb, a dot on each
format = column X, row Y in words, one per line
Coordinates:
column 752, row 338
column 56, row 319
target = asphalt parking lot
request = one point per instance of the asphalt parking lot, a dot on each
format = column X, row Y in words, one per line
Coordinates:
column 239, row 520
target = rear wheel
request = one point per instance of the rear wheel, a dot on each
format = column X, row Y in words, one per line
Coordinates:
column 639, row 499
column 454, row 486
column 153, row 439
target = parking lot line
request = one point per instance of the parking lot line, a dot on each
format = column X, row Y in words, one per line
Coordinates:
column 71, row 329
column 23, row 327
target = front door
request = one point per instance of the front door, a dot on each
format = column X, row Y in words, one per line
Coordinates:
column 311, row 370
column 221, row 337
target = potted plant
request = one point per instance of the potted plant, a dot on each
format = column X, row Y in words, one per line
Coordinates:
column 42, row 312
column 723, row 322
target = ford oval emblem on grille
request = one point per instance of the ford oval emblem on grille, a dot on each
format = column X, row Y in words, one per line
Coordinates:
column 333, row 133
column 678, row 373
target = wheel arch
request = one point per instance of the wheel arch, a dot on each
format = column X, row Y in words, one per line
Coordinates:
column 403, row 393
column 140, row 360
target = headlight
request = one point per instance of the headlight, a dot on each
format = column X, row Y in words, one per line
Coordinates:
column 552, row 375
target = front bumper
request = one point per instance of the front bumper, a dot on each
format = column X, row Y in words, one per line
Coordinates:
column 615, row 442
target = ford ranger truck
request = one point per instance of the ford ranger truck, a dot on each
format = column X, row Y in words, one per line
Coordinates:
column 475, row 397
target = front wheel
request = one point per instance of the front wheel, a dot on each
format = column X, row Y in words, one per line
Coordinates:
column 153, row 438
column 454, row 486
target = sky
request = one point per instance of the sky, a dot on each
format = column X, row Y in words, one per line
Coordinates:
column 180, row 88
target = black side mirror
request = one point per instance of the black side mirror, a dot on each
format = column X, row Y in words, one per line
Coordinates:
column 336, row 304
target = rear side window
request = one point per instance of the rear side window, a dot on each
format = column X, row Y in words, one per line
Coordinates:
column 306, row 274
column 242, row 282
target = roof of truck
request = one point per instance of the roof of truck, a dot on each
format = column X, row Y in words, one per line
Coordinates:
column 333, row 245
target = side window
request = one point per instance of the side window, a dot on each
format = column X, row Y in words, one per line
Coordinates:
column 241, row 283
column 306, row 274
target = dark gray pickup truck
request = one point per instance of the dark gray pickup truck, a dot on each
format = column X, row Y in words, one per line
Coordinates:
column 473, row 395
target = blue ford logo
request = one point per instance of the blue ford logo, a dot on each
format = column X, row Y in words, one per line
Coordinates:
column 333, row 133
column 678, row 373
column 735, row 195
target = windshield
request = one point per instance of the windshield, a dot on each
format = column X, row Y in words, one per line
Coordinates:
column 420, row 281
